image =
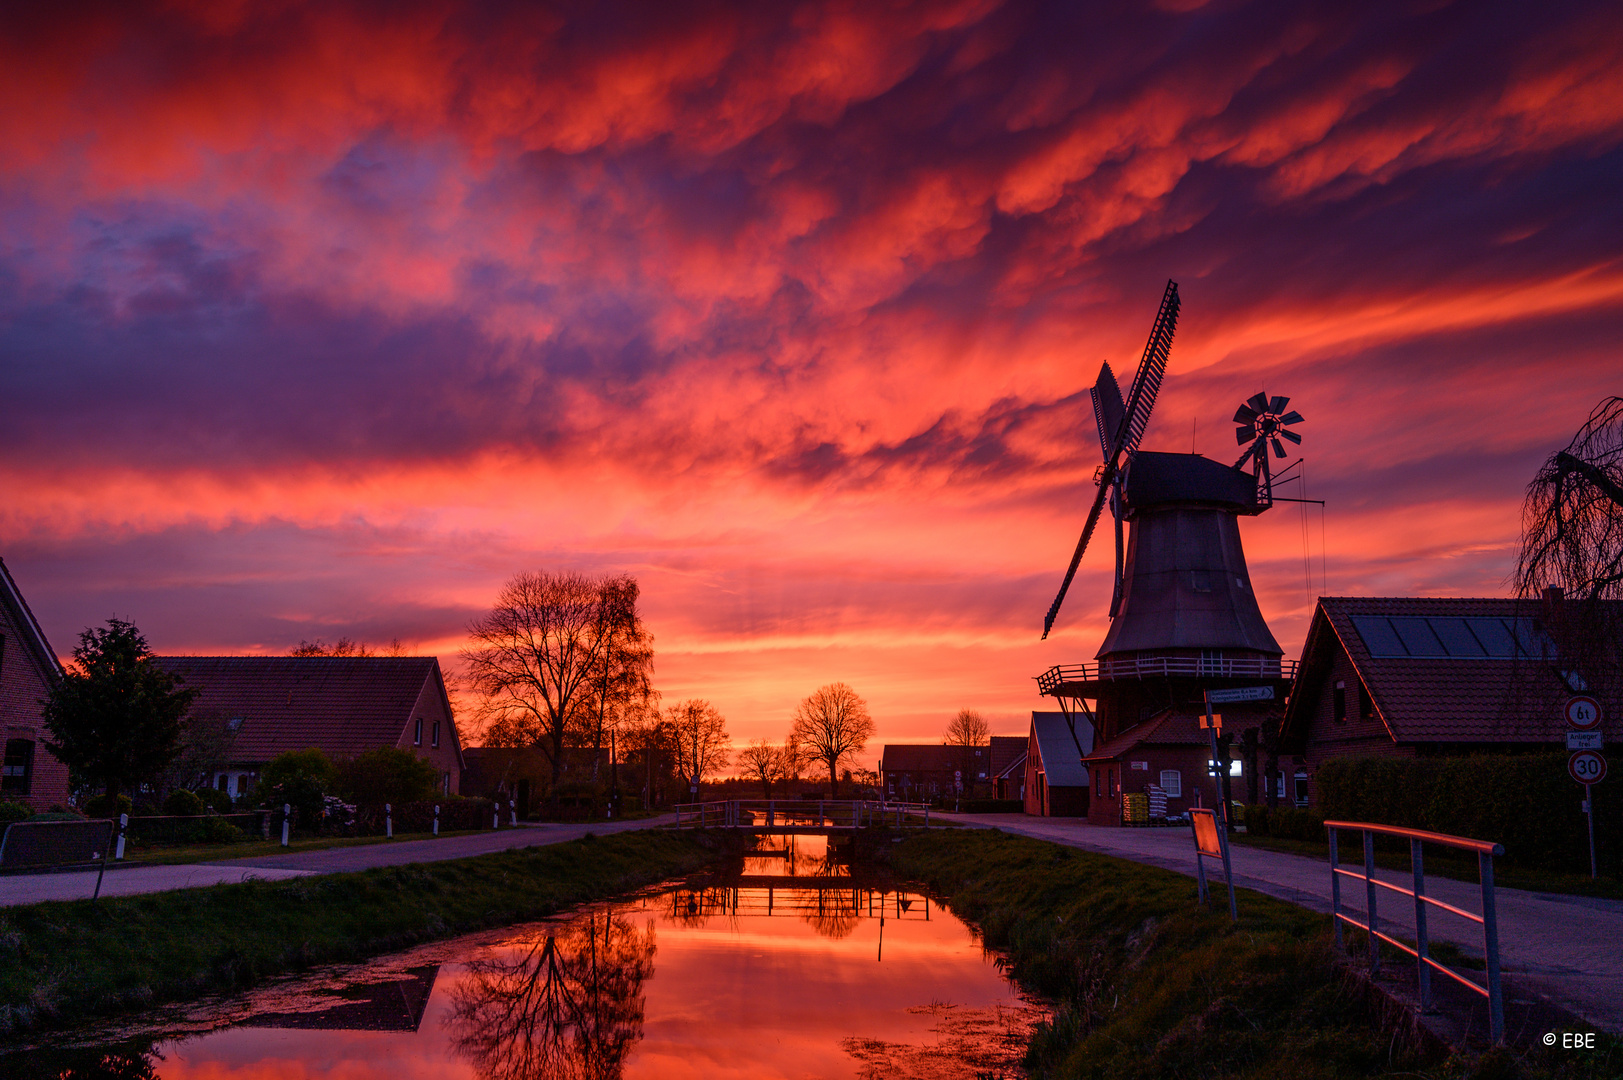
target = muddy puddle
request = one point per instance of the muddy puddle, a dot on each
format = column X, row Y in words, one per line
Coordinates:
column 795, row 968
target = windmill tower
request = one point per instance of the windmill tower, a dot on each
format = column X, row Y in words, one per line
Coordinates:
column 1183, row 615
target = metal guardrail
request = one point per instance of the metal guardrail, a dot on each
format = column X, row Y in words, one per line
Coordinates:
column 1424, row 964
column 1152, row 666
column 804, row 813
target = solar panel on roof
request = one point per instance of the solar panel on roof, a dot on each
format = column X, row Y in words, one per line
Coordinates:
column 1378, row 636
column 1417, row 636
column 1531, row 638
column 1491, row 633
column 1456, row 637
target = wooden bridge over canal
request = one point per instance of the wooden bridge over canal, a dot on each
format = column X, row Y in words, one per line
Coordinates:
column 801, row 816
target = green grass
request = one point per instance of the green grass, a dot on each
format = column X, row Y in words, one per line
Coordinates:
column 1146, row 984
column 1441, row 863
column 172, row 854
column 65, row 962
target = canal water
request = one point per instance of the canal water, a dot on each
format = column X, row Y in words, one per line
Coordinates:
column 794, row 968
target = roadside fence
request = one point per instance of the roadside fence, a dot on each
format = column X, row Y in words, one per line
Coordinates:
column 1424, row 964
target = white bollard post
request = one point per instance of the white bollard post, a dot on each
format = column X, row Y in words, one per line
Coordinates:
column 123, row 823
column 496, row 816
column 512, row 813
column 287, row 808
column 436, row 821
column 388, row 821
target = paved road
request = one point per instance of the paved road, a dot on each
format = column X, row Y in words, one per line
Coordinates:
column 130, row 880
column 1567, row 948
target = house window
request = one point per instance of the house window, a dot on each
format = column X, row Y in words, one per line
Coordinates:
column 224, row 782
column 1301, row 788
column 1172, row 783
column 18, row 774
column 1366, row 707
column 1338, row 698
column 417, row 732
column 436, row 736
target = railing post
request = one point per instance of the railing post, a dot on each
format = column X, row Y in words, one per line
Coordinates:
column 1369, row 894
column 1335, row 888
column 1490, row 948
column 1423, row 972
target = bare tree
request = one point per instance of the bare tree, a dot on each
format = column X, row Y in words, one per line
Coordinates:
column 536, row 658
column 833, row 726
column 965, row 732
column 345, row 647
column 1572, row 541
column 763, row 761
column 699, row 739
column 623, row 685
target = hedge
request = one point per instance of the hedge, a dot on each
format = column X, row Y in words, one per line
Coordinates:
column 994, row 806
column 1287, row 821
column 456, row 815
column 1526, row 802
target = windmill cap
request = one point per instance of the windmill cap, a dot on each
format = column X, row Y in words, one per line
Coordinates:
column 1155, row 479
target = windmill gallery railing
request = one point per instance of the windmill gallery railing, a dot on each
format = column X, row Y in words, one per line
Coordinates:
column 800, row 815
column 1245, row 667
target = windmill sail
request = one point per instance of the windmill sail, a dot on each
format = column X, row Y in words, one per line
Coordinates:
column 1108, row 411
column 1125, row 424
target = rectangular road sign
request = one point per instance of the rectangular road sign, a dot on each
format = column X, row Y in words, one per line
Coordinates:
column 1585, row 740
column 1242, row 693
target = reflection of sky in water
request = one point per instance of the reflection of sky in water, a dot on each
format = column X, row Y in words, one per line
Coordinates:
column 733, row 992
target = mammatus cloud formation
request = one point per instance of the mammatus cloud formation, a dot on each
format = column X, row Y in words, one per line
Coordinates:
column 324, row 319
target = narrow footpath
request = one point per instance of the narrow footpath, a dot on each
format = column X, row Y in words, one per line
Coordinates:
column 133, row 880
column 1568, row 949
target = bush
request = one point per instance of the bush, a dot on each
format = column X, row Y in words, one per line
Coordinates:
column 182, row 803
column 1526, row 802
column 304, row 794
column 456, row 814
column 104, row 807
column 14, row 811
column 312, row 765
column 387, row 775
column 214, row 799
column 1294, row 823
column 1255, row 819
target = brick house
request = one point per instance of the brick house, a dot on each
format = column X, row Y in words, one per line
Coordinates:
column 1420, row 677
column 345, row 705
column 1172, row 751
column 28, row 670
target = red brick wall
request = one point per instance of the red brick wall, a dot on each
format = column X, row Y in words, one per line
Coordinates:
column 1188, row 761
column 22, row 685
column 431, row 706
column 1356, row 736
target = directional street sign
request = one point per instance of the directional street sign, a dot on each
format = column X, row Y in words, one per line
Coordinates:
column 1243, row 693
column 1585, row 740
column 1587, row 767
column 1583, row 713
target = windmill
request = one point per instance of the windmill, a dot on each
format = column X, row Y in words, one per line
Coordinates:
column 1263, row 422
column 1121, row 426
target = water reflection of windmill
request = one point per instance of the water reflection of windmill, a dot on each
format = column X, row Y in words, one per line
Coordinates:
column 1183, row 616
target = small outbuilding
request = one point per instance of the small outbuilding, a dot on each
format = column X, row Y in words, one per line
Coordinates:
column 1056, row 783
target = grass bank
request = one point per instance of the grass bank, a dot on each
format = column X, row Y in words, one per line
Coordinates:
column 65, row 962
column 1148, row 985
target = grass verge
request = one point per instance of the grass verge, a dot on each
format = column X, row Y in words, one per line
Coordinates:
column 1146, row 984
column 176, row 854
column 1440, row 862
column 61, row 963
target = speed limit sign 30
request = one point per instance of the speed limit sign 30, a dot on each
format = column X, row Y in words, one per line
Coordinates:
column 1587, row 767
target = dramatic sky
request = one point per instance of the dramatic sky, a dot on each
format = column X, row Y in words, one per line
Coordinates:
column 323, row 319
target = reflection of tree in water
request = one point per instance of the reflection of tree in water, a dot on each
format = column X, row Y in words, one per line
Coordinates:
column 567, row 1004
column 834, row 913
column 130, row 1061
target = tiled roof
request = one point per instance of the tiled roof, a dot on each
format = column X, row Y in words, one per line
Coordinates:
column 1454, row 698
column 1174, row 727
column 920, row 757
column 345, row 705
column 1005, row 749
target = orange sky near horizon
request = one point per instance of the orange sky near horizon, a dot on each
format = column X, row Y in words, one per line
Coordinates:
column 323, row 320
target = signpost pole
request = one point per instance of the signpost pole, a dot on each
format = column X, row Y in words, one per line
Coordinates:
column 1589, row 812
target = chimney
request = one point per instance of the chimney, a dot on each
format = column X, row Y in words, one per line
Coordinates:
column 1554, row 594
